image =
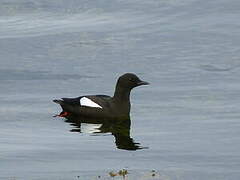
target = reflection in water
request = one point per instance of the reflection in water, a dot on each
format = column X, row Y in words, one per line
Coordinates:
column 120, row 129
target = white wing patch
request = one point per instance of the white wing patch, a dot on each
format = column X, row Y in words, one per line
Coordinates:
column 84, row 101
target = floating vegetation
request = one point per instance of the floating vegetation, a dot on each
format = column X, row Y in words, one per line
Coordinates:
column 112, row 174
column 122, row 173
column 153, row 173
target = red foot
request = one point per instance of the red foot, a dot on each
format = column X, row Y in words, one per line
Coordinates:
column 62, row 114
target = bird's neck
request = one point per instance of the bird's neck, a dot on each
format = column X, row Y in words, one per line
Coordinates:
column 122, row 94
column 122, row 101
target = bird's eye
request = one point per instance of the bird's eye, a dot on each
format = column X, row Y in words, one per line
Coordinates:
column 131, row 79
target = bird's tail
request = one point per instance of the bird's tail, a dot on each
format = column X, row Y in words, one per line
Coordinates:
column 58, row 101
column 64, row 113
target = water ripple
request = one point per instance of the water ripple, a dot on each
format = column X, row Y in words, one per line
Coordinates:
column 11, row 74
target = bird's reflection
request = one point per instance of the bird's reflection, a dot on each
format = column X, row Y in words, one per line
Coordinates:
column 120, row 129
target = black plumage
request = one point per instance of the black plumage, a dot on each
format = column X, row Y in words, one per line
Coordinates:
column 117, row 106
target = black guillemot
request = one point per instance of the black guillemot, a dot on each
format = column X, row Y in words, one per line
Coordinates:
column 103, row 106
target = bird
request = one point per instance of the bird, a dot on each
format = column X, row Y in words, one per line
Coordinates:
column 103, row 106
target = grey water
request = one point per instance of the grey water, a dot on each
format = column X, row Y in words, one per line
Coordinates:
column 188, row 118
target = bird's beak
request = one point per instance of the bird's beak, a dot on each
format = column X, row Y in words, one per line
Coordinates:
column 142, row 83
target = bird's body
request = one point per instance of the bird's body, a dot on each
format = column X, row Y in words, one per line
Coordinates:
column 103, row 106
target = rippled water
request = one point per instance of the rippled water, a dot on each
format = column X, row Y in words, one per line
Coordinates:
column 188, row 118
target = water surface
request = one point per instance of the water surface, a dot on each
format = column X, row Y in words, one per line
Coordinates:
column 188, row 117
